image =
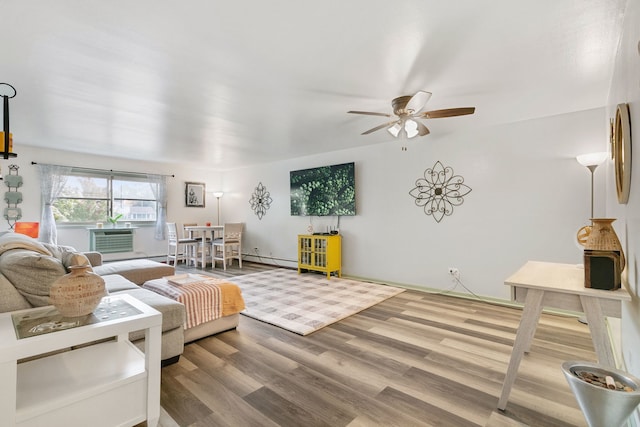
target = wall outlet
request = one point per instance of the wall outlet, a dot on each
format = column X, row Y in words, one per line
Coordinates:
column 454, row 272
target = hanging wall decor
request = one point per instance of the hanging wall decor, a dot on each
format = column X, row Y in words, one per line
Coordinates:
column 439, row 191
column 6, row 137
column 622, row 152
column 260, row 200
column 13, row 197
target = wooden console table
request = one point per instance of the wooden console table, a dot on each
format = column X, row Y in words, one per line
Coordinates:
column 561, row 286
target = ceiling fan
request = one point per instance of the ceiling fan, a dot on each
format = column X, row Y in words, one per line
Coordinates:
column 408, row 110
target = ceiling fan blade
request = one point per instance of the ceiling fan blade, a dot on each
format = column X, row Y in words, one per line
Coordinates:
column 369, row 113
column 418, row 101
column 378, row 127
column 422, row 129
column 449, row 112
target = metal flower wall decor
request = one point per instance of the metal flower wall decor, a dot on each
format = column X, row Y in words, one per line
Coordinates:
column 439, row 191
column 260, row 201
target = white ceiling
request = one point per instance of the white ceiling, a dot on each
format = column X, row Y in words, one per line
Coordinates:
column 233, row 83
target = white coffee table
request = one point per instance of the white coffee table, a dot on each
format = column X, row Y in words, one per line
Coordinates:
column 101, row 384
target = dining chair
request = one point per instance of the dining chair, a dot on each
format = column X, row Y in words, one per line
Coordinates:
column 229, row 246
column 203, row 252
column 180, row 249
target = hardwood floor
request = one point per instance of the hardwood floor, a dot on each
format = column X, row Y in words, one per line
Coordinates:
column 416, row 359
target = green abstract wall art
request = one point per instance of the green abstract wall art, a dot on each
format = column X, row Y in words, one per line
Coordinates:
column 324, row 191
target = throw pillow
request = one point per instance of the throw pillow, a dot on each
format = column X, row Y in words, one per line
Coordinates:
column 32, row 273
column 10, row 298
column 58, row 251
column 68, row 256
column 75, row 258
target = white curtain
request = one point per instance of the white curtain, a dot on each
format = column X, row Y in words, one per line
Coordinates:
column 160, row 193
column 52, row 181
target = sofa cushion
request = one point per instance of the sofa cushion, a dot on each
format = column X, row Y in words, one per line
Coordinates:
column 136, row 270
column 116, row 283
column 31, row 273
column 95, row 258
column 173, row 312
column 10, row 298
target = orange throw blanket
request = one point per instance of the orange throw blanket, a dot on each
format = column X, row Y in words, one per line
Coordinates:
column 232, row 301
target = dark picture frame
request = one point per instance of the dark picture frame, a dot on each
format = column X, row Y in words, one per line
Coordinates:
column 194, row 194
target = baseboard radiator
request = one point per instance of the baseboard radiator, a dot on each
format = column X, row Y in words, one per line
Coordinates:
column 111, row 241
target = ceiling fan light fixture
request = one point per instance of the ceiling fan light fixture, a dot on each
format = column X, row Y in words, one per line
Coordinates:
column 395, row 130
column 411, row 128
column 408, row 112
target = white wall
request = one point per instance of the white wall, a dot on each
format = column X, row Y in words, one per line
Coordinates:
column 529, row 197
column 625, row 88
column 78, row 237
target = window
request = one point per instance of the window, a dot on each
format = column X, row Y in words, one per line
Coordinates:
column 94, row 197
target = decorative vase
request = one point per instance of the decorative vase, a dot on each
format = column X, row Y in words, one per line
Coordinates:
column 602, row 237
column 77, row 293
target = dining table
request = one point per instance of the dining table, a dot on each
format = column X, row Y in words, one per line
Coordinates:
column 210, row 232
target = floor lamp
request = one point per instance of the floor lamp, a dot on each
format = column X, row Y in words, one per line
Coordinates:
column 591, row 161
column 218, row 195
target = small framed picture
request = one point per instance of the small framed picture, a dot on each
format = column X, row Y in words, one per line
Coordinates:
column 194, row 194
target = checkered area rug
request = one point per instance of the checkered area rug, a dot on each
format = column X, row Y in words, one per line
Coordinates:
column 304, row 303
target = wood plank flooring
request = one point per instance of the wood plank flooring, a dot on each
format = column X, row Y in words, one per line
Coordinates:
column 417, row 359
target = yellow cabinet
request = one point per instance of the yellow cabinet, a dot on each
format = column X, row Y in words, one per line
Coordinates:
column 320, row 253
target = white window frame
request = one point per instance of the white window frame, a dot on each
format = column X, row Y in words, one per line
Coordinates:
column 111, row 198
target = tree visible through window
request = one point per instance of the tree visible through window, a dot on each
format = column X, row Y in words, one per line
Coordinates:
column 90, row 198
